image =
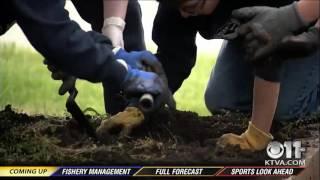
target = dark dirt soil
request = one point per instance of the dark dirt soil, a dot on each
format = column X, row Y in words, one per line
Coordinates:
column 175, row 138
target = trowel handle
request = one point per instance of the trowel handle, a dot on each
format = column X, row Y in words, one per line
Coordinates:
column 146, row 102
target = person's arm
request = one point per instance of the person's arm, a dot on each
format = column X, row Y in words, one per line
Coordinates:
column 266, row 84
column 265, row 99
column 309, row 10
column 175, row 37
column 114, row 12
column 115, row 8
column 87, row 55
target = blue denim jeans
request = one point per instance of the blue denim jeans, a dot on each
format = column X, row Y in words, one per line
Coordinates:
column 231, row 84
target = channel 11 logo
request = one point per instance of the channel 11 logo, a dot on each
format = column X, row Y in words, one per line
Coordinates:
column 276, row 150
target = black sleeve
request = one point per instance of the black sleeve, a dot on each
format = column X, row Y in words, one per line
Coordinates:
column 269, row 70
column 87, row 55
column 175, row 37
column 7, row 18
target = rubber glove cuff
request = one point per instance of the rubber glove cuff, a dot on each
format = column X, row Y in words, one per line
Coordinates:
column 114, row 21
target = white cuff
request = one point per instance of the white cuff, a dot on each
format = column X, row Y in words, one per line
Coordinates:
column 114, row 21
column 123, row 63
column 115, row 50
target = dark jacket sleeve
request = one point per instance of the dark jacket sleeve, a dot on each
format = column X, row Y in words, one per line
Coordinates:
column 175, row 37
column 7, row 18
column 87, row 55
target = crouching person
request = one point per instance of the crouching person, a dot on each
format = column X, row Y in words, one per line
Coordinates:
column 86, row 55
column 291, row 93
column 242, row 80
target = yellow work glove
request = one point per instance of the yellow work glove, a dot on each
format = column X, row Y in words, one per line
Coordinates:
column 253, row 139
column 126, row 121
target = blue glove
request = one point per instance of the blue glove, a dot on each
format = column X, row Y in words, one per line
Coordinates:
column 142, row 60
column 139, row 82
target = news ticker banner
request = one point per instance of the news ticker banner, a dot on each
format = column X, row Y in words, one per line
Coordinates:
column 165, row 171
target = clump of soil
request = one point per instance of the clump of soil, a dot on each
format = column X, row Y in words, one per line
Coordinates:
column 167, row 137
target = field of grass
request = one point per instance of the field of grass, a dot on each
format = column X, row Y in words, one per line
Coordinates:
column 25, row 83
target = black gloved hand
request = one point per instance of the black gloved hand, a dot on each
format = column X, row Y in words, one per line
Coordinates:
column 265, row 27
column 228, row 31
column 68, row 82
column 300, row 45
column 139, row 82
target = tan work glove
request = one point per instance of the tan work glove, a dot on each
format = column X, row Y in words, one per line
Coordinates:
column 253, row 139
column 113, row 28
column 126, row 121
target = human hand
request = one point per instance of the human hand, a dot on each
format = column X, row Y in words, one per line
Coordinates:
column 253, row 139
column 138, row 83
column 300, row 45
column 68, row 82
column 113, row 28
column 124, row 122
column 265, row 27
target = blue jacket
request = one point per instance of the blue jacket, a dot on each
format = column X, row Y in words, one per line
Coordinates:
column 46, row 24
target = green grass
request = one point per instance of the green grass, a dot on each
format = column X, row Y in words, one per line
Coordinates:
column 25, row 83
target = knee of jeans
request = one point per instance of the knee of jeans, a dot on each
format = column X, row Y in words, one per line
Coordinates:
column 213, row 103
column 282, row 115
column 303, row 106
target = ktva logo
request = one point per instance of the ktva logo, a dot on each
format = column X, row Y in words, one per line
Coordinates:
column 288, row 154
